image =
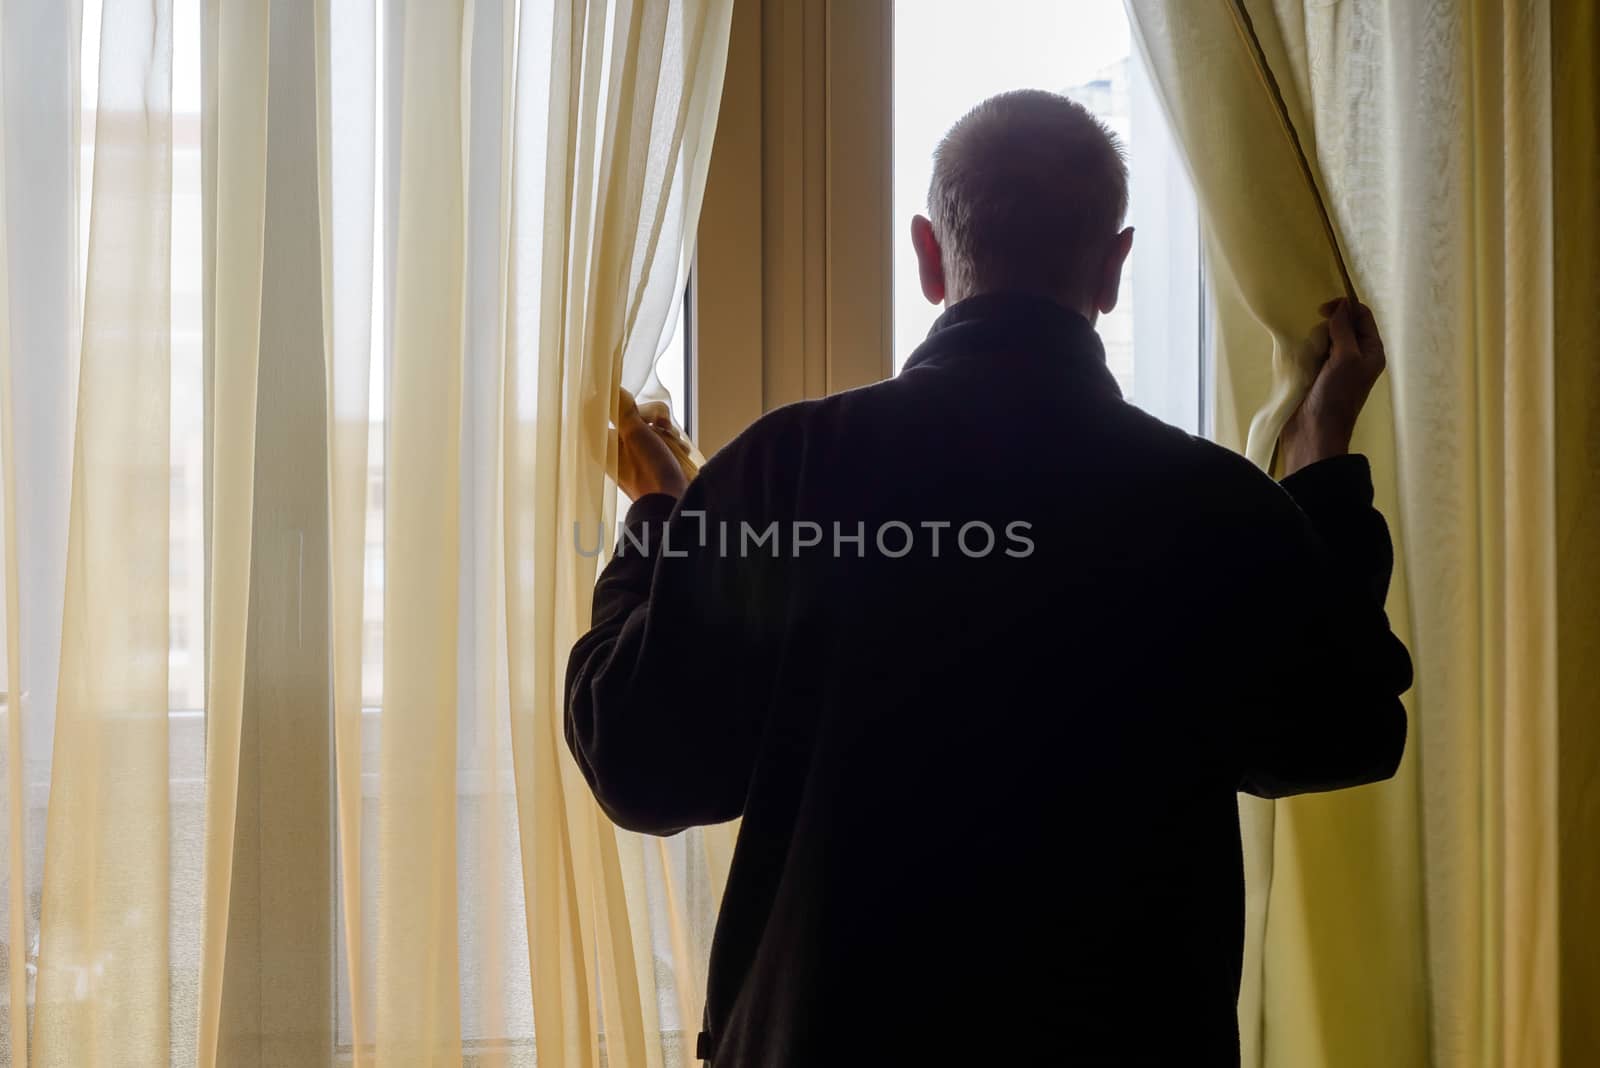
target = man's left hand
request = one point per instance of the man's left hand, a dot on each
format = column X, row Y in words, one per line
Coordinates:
column 1326, row 420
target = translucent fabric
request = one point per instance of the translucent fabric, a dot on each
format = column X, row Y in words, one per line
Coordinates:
column 303, row 431
column 103, row 923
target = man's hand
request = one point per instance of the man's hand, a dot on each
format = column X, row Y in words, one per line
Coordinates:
column 1323, row 424
column 644, row 462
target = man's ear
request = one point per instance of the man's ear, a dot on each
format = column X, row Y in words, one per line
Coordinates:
column 930, row 265
column 1111, row 271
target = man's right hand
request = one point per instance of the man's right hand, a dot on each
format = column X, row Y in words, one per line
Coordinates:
column 1326, row 419
column 645, row 463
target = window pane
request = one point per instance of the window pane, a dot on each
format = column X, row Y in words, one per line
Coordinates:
column 672, row 366
column 951, row 54
column 186, row 682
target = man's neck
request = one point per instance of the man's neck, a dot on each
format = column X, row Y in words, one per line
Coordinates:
column 1082, row 307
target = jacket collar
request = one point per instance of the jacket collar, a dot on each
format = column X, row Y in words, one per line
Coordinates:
column 1016, row 323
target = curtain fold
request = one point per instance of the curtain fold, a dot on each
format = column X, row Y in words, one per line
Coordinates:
column 39, row 105
column 103, row 964
column 1419, row 921
column 346, row 60
column 1575, row 122
column 418, row 992
column 237, row 143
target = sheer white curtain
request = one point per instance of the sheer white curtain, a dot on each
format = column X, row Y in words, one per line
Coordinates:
column 39, row 103
column 496, row 202
column 534, row 174
column 91, row 898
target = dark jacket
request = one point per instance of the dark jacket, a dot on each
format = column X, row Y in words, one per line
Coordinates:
column 988, row 791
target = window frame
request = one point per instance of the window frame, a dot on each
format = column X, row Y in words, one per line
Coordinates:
column 792, row 289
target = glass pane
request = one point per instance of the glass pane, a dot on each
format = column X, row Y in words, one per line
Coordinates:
column 186, row 682
column 672, row 366
column 951, row 54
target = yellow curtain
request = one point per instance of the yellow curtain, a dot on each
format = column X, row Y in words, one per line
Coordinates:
column 596, row 230
column 1575, row 438
column 346, row 116
column 494, row 203
column 40, row 333
column 104, row 913
column 236, row 146
column 1425, row 920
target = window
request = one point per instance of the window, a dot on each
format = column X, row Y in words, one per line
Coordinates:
column 676, row 361
column 949, row 55
column 790, row 297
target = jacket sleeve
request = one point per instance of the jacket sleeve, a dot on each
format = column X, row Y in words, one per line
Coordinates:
column 1324, row 711
column 664, row 694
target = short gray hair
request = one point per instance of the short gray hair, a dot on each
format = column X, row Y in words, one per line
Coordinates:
column 1028, row 188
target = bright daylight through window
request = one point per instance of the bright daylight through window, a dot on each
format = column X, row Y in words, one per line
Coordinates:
column 949, row 55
